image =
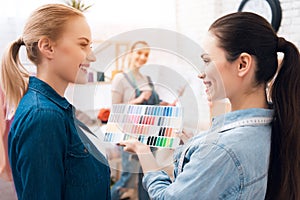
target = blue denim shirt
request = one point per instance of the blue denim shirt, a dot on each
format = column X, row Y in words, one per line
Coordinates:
column 49, row 156
column 219, row 164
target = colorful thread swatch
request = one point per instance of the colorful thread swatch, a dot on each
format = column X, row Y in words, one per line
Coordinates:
column 152, row 125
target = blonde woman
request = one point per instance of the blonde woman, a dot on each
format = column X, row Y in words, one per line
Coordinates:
column 48, row 153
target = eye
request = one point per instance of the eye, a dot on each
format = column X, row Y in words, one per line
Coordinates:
column 84, row 45
column 206, row 61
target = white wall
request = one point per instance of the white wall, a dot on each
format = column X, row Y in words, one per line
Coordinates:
column 109, row 18
column 194, row 17
column 290, row 24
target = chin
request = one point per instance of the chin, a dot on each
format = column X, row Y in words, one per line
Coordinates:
column 209, row 99
column 81, row 80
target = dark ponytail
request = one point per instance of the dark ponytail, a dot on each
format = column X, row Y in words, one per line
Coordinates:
column 284, row 170
column 248, row 32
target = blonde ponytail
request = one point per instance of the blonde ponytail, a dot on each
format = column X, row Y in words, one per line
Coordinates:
column 14, row 77
column 48, row 20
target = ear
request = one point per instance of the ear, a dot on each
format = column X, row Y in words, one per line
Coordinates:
column 244, row 64
column 45, row 46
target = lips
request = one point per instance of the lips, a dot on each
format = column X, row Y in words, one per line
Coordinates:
column 208, row 84
column 84, row 67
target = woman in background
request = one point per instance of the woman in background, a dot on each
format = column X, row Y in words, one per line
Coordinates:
column 133, row 87
column 48, row 158
column 257, row 151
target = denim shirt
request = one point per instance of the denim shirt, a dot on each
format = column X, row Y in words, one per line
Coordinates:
column 219, row 164
column 49, row 156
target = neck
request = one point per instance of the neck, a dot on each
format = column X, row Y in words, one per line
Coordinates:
column 136, row 73
column 59, row 86
column 255, row 99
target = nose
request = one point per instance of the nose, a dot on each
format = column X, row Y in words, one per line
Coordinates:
column 144, row 57
column 202, row 75
column 91, row 57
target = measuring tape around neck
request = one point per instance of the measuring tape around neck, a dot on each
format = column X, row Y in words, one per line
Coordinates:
column 246, row 122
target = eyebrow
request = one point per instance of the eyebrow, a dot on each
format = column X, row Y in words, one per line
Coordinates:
column 84, row 38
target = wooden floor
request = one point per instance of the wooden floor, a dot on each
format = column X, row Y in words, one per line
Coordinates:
column 7, row 190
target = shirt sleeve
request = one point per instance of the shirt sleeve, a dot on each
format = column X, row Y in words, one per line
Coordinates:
column 117, row 89
column 210, row 176
column 41, row 149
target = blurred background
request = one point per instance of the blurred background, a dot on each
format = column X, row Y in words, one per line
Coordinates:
column 109, row 18
column 112, row 20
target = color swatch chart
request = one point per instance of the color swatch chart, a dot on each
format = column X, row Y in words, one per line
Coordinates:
column 155, row 126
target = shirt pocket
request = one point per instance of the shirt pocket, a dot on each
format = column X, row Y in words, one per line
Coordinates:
column 78, row 151
column 82, row 169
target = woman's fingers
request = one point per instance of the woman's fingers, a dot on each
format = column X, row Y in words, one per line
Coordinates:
column 134, row 146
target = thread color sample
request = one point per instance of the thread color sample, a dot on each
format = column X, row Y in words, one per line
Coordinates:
column 155, row 126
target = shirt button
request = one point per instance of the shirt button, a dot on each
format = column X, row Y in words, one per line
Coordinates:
column 85, row 150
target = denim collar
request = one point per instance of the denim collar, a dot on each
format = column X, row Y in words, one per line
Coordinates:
column 45, row 89
column 233, row 116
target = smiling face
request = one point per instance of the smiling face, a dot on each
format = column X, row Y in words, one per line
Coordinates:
column 218, row 73
column 139, row 56
column 72, row 52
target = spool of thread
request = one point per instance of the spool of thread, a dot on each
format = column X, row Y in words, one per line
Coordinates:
column 90, row 77
column 100, row 76
column 103, row 114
